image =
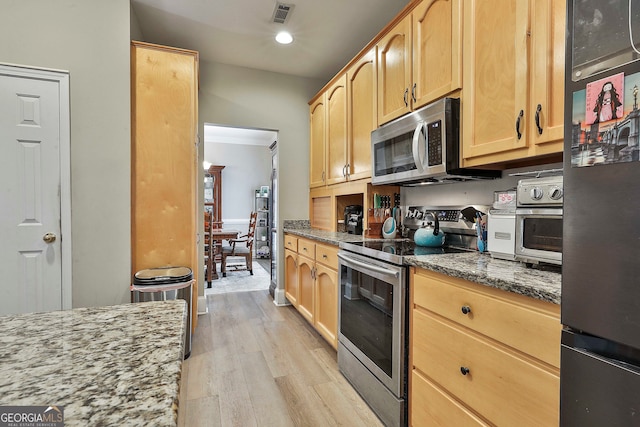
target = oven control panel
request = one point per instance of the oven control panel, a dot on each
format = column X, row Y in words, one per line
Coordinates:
column 547, row 191
column 418, row 213
column 452, row 219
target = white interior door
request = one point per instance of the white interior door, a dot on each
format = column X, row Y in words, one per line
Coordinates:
column 30, row 192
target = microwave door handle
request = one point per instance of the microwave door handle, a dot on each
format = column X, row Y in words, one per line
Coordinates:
column 416, row 146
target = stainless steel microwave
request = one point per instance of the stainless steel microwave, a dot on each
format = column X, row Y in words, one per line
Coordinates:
column 422, row 147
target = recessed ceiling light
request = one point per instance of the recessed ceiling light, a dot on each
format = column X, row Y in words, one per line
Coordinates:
column 284, row 37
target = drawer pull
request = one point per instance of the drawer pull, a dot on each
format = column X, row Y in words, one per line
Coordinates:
column 324, row 256
column 464, row 370
column 466, row 309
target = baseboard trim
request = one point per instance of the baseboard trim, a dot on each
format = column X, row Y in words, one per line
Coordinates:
column 279, row 298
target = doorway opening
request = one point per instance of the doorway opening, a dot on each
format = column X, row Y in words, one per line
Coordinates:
column 246, row 185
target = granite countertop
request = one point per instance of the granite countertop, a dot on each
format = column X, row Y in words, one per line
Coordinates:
column 506, row 275
column 329, row 237
column 117, row 365
column 472, row 266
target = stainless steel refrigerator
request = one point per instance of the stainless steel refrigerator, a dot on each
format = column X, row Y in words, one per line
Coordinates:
column 600, row 351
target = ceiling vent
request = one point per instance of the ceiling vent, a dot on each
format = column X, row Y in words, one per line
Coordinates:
column 282, row 12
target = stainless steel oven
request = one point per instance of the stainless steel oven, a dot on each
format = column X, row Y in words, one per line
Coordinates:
column 373, row 325
column 539, row 220
column 372, row 336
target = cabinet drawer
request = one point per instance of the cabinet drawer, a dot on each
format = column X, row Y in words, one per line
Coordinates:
column 307, row 248
column 430, row 406
column 327, row 255
column 527, row 324
column 500, row 386
column 291, row 242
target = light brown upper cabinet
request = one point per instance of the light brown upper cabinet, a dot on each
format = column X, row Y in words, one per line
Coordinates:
column 361, row 115
column 512, row 104
column 342, row 119
column 336, row 131
column 316, row 143
column 419, row 59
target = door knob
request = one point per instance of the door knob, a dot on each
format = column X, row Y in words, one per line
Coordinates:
column 49, row 237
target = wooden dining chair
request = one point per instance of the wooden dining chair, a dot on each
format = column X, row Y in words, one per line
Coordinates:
column 240, row 247
column 209, row 254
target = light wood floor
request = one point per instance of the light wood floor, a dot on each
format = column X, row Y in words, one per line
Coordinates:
column 255, row 364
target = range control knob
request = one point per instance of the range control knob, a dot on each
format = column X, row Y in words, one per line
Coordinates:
column 556, row 193
column 536, row 193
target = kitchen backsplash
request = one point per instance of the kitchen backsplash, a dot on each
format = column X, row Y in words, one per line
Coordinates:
column 465, row 193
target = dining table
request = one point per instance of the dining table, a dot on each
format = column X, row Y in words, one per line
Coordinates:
column 217, row 236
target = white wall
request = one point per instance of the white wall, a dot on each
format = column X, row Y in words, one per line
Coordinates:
column 90, row 39
column 244, row 97
column 466, row 193
column 247, row 168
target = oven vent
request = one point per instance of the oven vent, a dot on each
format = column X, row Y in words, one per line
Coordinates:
column 282, row 12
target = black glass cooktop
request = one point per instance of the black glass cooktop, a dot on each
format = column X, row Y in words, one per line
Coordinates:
column 394, row 250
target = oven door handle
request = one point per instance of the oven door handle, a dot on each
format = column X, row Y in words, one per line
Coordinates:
column 369, row 266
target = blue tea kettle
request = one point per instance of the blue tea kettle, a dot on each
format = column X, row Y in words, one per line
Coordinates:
column 428, row 235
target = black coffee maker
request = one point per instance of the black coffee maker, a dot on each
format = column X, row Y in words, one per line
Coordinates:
column 353, row 219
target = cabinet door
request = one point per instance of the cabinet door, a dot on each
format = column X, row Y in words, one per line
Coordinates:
column 362, row 115
column 305, row 287
column 326, row 313
column 164, row 184
column 317, row 143
column 291, row 276
column 430, row 406
column 394, row 72
column 495, row 76
column 547, row 75
column 336, row 139
column 497, row 383
column 437, row 41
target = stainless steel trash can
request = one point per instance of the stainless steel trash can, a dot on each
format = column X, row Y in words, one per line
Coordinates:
column 168, row 292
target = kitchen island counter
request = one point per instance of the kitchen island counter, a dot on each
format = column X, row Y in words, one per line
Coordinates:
column 116, row 365
column 472, row 266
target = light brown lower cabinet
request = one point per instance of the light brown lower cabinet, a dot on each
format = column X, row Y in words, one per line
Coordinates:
column 326, row 296
column 311, row 284
column 481, row 356
column 306, row 284
column 291, row 276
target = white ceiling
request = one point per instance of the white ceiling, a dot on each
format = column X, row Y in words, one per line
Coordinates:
column 327, row 33
column 233, row 135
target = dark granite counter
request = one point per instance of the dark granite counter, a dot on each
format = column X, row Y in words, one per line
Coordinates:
column 472, row 266
column 110, row 366
column 329, row 237
column 506, row 275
